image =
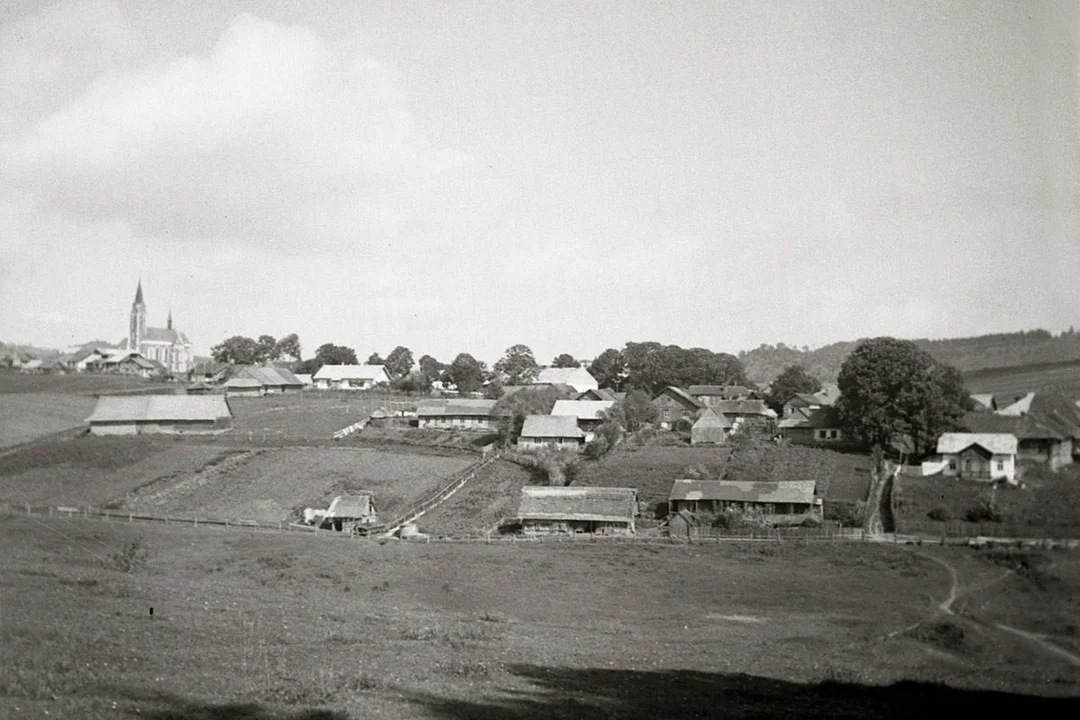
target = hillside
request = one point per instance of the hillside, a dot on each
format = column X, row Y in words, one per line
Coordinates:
column 1008, row 382
column 965, row 354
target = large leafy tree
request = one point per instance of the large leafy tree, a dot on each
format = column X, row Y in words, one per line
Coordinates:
column 794, row 380
column 466, row 373
column 527, row 401
column 266, row 350
column 237, row 349
column 330, row 354
column 517, row 366
column 633, row 412
column 400, row 361
column 431, row 368
column 609, row 369
column 565, row 360
column 651, row 367
column 288, row 346
column 375, row 359
column 894, row 394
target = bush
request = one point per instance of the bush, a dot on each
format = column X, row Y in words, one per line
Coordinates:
column 811, row 521
column 133, row 556
column 983, row 512
column 598, row 448
column 682, row 425
column 941, row 514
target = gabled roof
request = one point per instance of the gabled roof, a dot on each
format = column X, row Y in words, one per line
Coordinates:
column 985, row 400
column 828, row 394
column 166, row 335
column 601, row 394
column 724, row 392
column 819, row 417
column 574, row 377
column 996, row 443
column 304, row 378
column 807, row 399
column 796, row 491
column 374, row 373
column 1021, row 407
column 469, row 407
column 111, row 408
column 743, row 407
column 237, row 383
column 268, row 376
column 357, row 505
column 711, row 418
column 582, row 409
column 1024, row 427
column 682, row 396
column 551, row 426
column 602, row 504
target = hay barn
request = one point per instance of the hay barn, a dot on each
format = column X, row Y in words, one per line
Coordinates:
column 599, row 510
column 160, row 414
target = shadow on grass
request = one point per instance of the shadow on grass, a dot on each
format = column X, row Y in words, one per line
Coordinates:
column 165, row 706
column 675, row 694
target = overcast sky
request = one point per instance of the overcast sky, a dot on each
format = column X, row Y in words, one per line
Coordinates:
column 462, row 176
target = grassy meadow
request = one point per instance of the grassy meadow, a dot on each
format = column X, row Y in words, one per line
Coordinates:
column 27, row 416
column 107, row 620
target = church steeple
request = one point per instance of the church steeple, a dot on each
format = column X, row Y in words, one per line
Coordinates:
column 137, row 328
column 169, row 325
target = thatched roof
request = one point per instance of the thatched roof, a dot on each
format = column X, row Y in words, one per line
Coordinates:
column 159, row 407
column 455, row 407
column 604, row 504
column 357, row 505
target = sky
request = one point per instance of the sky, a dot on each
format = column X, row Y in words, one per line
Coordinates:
column 464, row 176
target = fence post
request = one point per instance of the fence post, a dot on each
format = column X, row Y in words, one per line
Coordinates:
column 27, row 508
column 129, row 517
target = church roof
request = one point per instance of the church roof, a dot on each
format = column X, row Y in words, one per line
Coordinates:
column 166, row 335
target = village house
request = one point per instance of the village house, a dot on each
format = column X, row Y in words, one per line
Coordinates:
column 598, row 510
column 778, row 503
column 456, row 414
column 752, row 412
column 164, row 414
column 806, row 401
column 123, row 362
column 812, row 426
column 974, row 456
column 577, row 378
column 350, row 377
column 353, row 514
column 601, row 394
column 711, row 428
column 1046, row 425
column 560, row 432
column 243, row 387
column 589, row 413
column 710, row 394
column 273, row 380
column 674, row 404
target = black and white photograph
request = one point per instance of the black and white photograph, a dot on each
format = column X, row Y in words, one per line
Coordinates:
column 511, row 359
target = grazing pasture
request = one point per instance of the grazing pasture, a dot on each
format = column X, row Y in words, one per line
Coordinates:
column 105, row 620
column 309, row 415
column 27, row 416
column 492, row 495
column 272, row 485
column 80, row 384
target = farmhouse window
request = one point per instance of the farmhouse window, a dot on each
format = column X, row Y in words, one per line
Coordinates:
column 952, row 464
column 833, row 434
column 821, row 434
column 769, row 509
column 1001, row 464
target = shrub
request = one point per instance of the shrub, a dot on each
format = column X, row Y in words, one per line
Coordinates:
column 983, row 512
column 811, row 521
column 682, row 425
column 941, row 514
column 597, row 449
column 131, row 557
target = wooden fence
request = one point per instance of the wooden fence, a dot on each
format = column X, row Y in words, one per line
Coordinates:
column 434, row 499
column 345, row 431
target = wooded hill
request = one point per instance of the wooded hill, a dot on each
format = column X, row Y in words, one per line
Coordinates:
column 965, row 354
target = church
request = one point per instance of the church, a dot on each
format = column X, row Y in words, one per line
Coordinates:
column 165, row 345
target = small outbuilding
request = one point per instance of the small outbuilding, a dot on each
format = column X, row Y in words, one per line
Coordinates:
column 599, row 510
column 164, row 414
column 560, row 432
column 710, row 429
column 350, row 377
column 353, row 514
column 243, row 387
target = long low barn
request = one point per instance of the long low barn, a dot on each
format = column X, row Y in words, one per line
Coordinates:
column 151, row 414
column 602, row 510
column 780, row 503
column 457, row 414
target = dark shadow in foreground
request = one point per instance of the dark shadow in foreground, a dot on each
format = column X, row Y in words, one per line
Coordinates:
column 166, row 706
column 675, row 694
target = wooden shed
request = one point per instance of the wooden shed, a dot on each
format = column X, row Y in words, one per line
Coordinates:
column 166, row 414
column 710, row 429
column 244, row 387
column 601, row 510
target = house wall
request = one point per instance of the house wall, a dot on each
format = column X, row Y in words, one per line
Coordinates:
column 1054, row 453
column 535, row 443
column 243, row 392
column 110, row 428
column 456, row 422
column 707, row 436
column 672, row 410
column 554, row 527
column 812, row 436
column 973, row 466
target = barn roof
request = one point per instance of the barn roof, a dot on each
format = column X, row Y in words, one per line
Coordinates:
column 582, row 409
column 742, row 407
column 551, row 426
column 111, row 408
column 986, row 400
column 601, row 394
column 727, row 392
column 996, row 443
column 795, row 491
column 357, row 505
column 268, row 375
column 374, row 373
column 604, row 504
column 682, row 396
column 711, row 418
column 304, row 378
column 574, row 377
column 820, row 417
column 243, row 382
column 470, row 407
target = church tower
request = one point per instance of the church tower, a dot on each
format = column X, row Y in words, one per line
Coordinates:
column 137, row 329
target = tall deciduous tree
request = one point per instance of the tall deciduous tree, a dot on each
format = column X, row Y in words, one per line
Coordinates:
column 330, row 354
column 609, row 369
column 375, row 359
column 565, row 360
column 289, row 346
column 266, row 350
column 892, row 392
column 794, row 380
column 633, row 412
column 400, row 361
column 466, row 373
column 518, row 366
column 431, row 368
column 237, row 349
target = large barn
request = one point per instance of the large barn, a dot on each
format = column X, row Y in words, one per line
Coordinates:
column 166, row 414
column 456, row 414
column 601, row 510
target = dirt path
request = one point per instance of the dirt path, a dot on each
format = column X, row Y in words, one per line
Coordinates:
column 956, row 591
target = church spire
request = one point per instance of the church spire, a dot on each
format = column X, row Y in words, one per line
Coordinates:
column 138, row 294
column 169, row 325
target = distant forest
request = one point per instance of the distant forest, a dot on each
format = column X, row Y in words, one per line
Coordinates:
column 965, row 354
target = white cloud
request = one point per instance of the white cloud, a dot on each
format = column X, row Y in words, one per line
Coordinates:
column 273, row 140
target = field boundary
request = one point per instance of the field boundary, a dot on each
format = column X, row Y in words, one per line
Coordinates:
column 345, row 431
column 440, row 495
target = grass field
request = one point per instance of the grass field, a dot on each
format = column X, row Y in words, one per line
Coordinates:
column 78, row 384
column 477, row 507
column 1017, row 381
column 265, row 626
column 312, row 414
column 1047, row 506
column 273, row 485
column 26, row 416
